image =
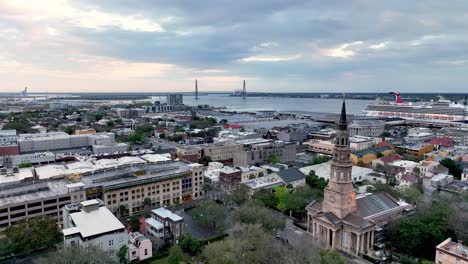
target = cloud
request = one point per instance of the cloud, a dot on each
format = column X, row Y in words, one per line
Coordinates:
column 295, row 45
column 344, row 51
column 264, row 58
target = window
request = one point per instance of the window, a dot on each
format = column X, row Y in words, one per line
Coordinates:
column 111, row 243
column 146, row 252
column 121, row 240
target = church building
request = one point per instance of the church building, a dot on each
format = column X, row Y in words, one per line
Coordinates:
column 344, row 220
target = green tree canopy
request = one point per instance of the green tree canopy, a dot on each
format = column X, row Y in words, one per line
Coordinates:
column 175, row 255
column 266, row 196
column 78, row 255
column 254, row 213
column 190, row 244
column 240, row 195
column 37, row 233
column 135, row 224
column 331, row 257
column 209, row 214
column 273, row 159
column 454, row 167
column 415, row 234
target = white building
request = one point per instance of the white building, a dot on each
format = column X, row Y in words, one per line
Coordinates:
column 60, row 141
column 110, row 148
column 37, row 157
column 323, row 171
column 91, row 223
column 8, row 137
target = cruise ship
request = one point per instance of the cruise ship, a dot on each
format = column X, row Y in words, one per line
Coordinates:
column 441, row 110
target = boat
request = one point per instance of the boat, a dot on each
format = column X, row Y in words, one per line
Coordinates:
column 441, row 110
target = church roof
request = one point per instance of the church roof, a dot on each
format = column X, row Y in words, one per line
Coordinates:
column 375, row 203
column 291, row 175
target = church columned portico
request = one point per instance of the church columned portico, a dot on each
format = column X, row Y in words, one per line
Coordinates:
column 344, row 239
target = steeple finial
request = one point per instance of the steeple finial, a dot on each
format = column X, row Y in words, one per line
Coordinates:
column 343, row 112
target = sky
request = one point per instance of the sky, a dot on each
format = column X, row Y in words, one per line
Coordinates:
column 275, row 45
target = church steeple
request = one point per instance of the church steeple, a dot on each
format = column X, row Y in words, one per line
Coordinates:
column 339, row 195
column 343, row 123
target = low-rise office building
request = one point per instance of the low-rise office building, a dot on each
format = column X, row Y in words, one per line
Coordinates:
column 122, row 183
column 258, row 152
column 52, row 141
column 130, row 113
column 321, row 146
column 110, row 148
column 33, row 158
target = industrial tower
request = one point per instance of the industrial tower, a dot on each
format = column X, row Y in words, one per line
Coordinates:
column 244, row 91
column 196, row 89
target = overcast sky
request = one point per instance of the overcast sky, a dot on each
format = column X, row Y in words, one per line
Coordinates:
column 276, row 45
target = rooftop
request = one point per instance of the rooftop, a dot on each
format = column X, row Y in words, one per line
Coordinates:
column 165, row 213
column 86, row 221
column 152, row 222
column 266, row 181
column 455, row 248
column 291, row 175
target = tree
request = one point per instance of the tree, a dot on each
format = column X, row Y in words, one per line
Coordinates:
column 411, row 195
column 273, row 159
column 175, row 255
column 147, row 206
column 110, row 123
column 123, row 254
column 331, row 257
column 453, row 167
column 245, row 244
column 135, row 137
column 209, row 214
column 123, row 210
column 205, row 160
column 240, row 195
column 34, row 234
column 260, row 174
column 255, row 213
column 21, row 126
column 281, row 193
column 385, row 134
column 135, row 224
column 189, row 244
column 316, row 182
column 426, row 229
column 320, row 159
column 25, row 165
column 78, row 255
column 179, row 129
column 266, row 196
column 361, row 163
column 248, row 243
column 297, row 200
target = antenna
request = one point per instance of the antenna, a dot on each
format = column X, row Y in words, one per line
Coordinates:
column 196, row 89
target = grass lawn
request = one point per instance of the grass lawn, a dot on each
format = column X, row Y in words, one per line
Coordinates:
column 160, row 261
